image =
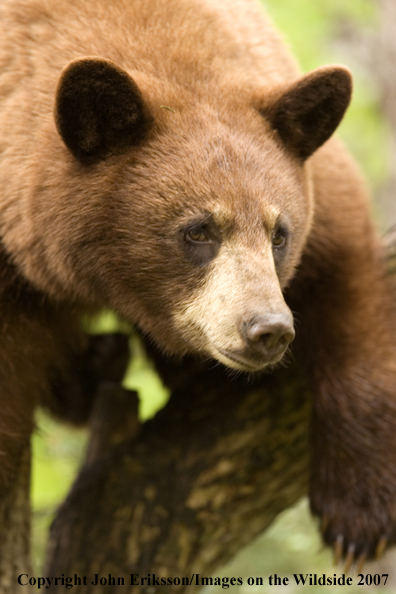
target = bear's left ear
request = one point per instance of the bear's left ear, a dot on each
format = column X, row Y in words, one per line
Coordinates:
column 99, row 108
column 307, row 113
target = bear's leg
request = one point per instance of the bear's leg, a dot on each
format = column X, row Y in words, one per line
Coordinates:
column 40, row 342
column 346, row 333
column 19, row 393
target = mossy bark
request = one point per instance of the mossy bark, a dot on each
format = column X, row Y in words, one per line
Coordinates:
column 184, row 492
column 15, row 528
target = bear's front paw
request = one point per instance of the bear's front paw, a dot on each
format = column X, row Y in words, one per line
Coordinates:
column 358, row 522
column 353, row 462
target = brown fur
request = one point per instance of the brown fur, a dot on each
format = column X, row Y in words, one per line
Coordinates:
column 190, row 120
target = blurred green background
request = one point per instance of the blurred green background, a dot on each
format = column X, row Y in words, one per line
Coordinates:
column 315, row 30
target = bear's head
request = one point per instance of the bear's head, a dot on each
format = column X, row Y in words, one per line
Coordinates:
column 189, row 218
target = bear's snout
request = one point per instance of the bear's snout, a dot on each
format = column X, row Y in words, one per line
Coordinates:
column 267, row 335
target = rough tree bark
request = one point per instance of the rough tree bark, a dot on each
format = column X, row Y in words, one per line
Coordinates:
column 15, row 528
column 194, row 485
column 181, row 494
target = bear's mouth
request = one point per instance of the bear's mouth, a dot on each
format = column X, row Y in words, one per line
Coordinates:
column 236, row 360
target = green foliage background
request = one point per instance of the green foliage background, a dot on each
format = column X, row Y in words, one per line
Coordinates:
column 292, row 545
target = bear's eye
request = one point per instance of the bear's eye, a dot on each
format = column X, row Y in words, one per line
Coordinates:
column 200, row 240
column 279, row 238
column 197, row 236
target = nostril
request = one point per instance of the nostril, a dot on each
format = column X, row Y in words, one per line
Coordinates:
column 265, row 338
column 284, row 341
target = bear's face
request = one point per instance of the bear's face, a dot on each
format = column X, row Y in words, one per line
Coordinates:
column 216, row 234
column 203, row 218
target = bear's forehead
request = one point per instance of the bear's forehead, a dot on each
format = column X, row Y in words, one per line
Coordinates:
column 238, row 198
column 203, row 166
column 224, row 163
column 233, row 198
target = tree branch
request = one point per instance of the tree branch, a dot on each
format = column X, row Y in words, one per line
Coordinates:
column 199, row 481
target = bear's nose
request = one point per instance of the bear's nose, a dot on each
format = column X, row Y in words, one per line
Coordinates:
column 268, row 335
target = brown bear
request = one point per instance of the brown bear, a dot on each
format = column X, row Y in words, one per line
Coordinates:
column 167, row 160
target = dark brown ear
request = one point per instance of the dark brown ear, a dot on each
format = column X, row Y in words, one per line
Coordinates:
column 307, row 113
column 99, row 108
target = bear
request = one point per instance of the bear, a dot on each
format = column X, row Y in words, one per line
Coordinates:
column 168, row 160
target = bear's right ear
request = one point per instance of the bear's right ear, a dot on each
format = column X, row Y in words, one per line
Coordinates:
column 99, row 109
column 307, row 113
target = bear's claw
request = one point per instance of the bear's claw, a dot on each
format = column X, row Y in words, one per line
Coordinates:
column 349, row 557
column 361, row 562
column 338, row 549
column 381, row 546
